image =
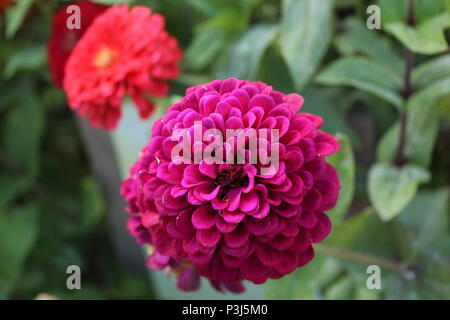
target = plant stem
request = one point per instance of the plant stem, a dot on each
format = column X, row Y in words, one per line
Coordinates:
column 365, row 259
column 408, row 90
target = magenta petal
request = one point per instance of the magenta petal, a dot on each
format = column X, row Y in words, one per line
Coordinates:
column 188, row 279
column 192, row 176
column 268, row 255
column 252, row 269
column 233, row 217
column 208, row 238
column 204, row 218
column 209, row 170
column 237, row 238
column 249, row 201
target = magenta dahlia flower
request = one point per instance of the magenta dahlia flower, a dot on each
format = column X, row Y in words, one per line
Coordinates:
column 225, row 217
column 124, row 51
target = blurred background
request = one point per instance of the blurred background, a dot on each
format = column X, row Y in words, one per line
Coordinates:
column 385, row 93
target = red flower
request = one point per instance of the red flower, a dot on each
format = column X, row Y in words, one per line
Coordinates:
column 4, row 4
column 63, row 40
column 123, row 52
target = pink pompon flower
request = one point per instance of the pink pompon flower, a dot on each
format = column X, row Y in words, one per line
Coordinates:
column 124, row 51
column 232, row 221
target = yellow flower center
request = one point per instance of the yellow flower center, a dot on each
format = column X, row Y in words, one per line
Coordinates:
column 104, row 58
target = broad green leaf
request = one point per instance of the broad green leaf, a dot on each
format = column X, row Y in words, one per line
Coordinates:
column 435, row 275
column 344, row 163
column 426, row 218
column 23, row 130
column 329, row 272
column 304, row 36
column 393, row 11
column 15, row 16
column 421, row 129
column 207, row 44
column 365, row 75
column 358, row 39
column 28, row 59
column 245, row 55
column 362, row 235
column 423, row 122
column 397, row 10
column 392, row 188
column 426, row 38
column 301, row 284
column 18, row 232
column 429, row 72
column 11, row 186
column 207, row 7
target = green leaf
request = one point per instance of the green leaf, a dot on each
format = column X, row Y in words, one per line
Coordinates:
column 301, row 284
column 426, row 218
column 363, row 234
column 24, row 125
column 358, row 39
column 12, row 186
column 245, row 55
column 392, row 188
column 344, row 163
column 18, row 233
column 207, row 44
column 422, row 126
column 305, row 36
column 397, row 10
column 15, row 16
column 365, row 75
column 431, row 71
column 393, row 11
column 427, row 38
column 31, row 58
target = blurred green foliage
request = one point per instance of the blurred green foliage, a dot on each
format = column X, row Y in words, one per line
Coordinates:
column 386, row 93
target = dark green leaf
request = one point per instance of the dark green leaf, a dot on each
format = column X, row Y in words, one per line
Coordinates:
column 358, row 39
column 392, row 188
column 426, row 38
column 245, row 55
column 431, row 71
column 363, row 234
column 28, row 59
column 24, row 124
column 421, row 129
column 305, row 36
column 426, row 217
column 18, row 232
column 15, row 16
column 365, row 75
column 207, row 44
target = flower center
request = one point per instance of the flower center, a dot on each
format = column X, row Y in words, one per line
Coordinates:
column 104, row 58
column 230, row 179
